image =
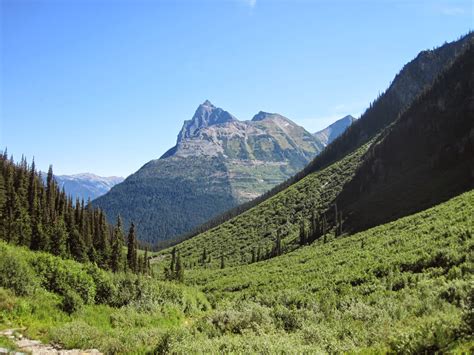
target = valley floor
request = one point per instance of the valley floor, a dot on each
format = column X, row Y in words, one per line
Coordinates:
column 406, row 286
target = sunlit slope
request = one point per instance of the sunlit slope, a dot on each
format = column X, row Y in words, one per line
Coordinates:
column 403, row 286
column 258, row 227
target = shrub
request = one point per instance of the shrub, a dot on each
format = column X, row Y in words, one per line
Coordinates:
column 105, row 289
column 59, row 276
column 72, row 302
column 15, row 273
column 76, row 334
column 243, row 316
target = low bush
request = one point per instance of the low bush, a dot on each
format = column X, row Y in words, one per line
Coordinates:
column 71, row 302
column 15, row 274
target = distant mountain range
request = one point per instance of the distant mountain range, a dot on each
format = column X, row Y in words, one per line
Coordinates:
column 86, row 186
column 217, row 163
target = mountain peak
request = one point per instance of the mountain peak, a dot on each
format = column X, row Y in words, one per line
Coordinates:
column 207, row 103
column 261, row 116
column 328, row 134
column 206, row 115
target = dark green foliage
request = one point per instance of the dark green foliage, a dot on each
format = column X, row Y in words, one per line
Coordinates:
column 132, row 260
column 116, row 262
column 179, row 269
column 60, row 277
column 71, row 302
column 15, row 274
column 176, row 269
column 59, row 238
column 41, row 217
column 425, row 158
column 303, row 234
column 172, row 196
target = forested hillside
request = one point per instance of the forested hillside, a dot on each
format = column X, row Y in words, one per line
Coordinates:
column 305, row 211
column 426, row 157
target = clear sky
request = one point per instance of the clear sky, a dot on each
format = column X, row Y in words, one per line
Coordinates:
column 104, row 86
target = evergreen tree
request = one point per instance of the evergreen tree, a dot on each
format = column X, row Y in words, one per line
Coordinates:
column 146, row 262
column 50, row 195
column 340, row 223
column 278, row 243
column 222, row 261
column 173, row 259
column 204, row 256
column 77, row 249
column 132, row 249
column 59, row 238
column 179, row 269
column 303, row 239
column 116, row 262
column 2, row 205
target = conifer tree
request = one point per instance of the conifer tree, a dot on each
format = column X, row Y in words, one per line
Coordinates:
column 50, row 196
column 2, row 205
column 204, row 256
column 173, row 259
column 77, row 249
column 179, row 270
column 59, row 238
column 303, row 239
column 340, row 223
column 146, row 262
column 117, row 247
column 132, row 249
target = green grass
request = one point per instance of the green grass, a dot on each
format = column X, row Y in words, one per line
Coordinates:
column 257, row 227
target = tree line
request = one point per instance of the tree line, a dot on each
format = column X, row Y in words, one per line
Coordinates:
column 41, row 216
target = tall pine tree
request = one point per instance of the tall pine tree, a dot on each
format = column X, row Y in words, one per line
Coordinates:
column 132, row 249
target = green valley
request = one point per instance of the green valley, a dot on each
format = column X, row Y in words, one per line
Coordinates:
column 403, row 287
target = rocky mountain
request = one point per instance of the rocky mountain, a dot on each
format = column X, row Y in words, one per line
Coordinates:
column 86, row 186
column 217, row 163
column 333, row 131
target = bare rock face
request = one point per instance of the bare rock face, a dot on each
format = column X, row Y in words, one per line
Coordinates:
column 330, row 133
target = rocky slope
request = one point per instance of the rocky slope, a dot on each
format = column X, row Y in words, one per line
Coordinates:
column 217, row 163
column 333, row 131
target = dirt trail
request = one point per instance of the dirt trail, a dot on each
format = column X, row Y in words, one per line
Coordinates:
column 35, row 347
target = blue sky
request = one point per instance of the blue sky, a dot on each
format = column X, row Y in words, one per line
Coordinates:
column 104, row 86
